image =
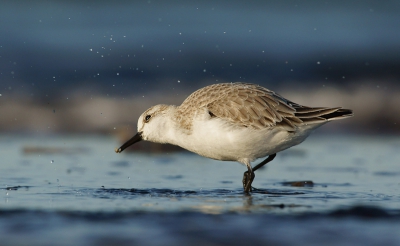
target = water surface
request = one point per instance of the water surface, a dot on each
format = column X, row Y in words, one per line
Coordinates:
column 76, row 190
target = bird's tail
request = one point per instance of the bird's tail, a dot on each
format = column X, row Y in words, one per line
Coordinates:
column 319, row 115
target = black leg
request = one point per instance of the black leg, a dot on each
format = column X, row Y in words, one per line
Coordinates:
column 270, row 158
column 249, row 175
column 248, row 178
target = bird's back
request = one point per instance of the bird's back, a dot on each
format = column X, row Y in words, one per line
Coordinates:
column 253, row 106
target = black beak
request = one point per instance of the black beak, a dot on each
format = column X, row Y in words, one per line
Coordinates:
column 128, row 143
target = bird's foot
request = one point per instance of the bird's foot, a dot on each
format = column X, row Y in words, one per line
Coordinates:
column 248, row 178
column 245, row 178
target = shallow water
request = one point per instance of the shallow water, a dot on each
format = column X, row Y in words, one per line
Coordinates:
column 76, row 190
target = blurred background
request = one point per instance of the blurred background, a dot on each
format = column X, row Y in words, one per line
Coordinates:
column 76, row 75
column 95, row 66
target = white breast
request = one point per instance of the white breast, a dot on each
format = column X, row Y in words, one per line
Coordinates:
column 221, row 140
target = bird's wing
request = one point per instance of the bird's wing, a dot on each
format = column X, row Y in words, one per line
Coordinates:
column 254, row 106
column 250, row 105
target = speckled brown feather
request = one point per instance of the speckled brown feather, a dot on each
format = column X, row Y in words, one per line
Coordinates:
column 249, row 105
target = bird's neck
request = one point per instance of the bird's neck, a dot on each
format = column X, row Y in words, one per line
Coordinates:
column 167, row 129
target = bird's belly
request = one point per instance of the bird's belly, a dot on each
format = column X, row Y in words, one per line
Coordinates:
column 227, row 143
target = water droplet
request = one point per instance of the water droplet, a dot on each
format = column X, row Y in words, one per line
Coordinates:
column 204, row 70
column 52, row 161
column 318, row 62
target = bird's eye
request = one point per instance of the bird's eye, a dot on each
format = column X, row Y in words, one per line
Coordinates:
column 147, row 118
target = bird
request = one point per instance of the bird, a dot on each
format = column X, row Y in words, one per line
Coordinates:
column 238, row 122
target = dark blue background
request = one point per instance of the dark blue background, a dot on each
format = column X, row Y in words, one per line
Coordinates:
column 124, row 47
